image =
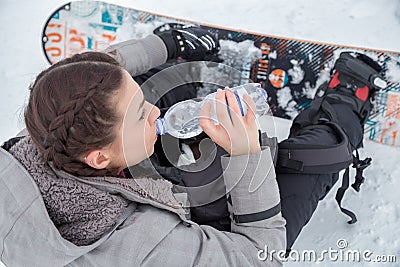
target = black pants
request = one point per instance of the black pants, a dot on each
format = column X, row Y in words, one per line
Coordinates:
column 300, row 193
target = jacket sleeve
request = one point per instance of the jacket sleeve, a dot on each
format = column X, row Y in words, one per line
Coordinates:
column 139, row 56
column 257, row 237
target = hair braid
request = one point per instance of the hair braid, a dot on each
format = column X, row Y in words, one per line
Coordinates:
column 58, row 129
column 74, row 100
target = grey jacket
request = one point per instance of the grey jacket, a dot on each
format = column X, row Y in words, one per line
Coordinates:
column 151, row 227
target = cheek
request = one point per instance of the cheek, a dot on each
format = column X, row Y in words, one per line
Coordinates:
column 135, row 146
column 136, row 135
column 133, row 135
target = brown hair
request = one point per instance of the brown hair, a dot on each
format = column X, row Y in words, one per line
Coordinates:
column 71, row 110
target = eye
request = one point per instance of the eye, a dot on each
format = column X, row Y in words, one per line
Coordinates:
column 142, row 117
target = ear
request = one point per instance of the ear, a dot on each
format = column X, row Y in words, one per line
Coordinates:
column 97, row 159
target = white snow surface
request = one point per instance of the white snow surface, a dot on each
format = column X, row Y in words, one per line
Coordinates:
column 366, row 23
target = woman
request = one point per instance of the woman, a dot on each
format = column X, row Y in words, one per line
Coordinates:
column 64, row 200
column 321, row 142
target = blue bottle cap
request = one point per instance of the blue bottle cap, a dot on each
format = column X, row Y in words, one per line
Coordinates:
column 160, row 124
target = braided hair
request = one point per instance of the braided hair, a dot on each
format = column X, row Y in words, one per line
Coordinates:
column 72, row 110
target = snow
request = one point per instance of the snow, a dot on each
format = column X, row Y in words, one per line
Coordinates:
column 393, row 73
column 245, row 48
column 368, row 23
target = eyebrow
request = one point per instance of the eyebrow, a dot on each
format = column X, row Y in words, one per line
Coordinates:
column 140, row 106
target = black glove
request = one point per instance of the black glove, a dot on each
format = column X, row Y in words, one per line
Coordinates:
column 189, row 42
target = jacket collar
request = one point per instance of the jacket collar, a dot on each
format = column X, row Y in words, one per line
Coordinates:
column 155, row 192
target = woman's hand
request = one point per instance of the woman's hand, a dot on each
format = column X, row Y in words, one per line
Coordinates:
column 237, row 134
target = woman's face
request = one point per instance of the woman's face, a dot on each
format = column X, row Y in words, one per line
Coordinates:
column 136, row 135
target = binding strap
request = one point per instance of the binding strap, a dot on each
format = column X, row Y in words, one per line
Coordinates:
column 359, row 165
column 300, row 158
column 339, row 196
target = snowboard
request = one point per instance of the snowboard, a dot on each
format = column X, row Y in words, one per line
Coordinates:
column 290, row 70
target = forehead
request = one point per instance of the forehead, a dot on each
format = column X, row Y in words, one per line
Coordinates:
column 130, row 94
column 130, row 84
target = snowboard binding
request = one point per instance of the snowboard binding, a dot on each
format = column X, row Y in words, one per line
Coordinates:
column 355, row 81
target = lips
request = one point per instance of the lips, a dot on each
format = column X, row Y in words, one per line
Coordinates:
column 155, row 133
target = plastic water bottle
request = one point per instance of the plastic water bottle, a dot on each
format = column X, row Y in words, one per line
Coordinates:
column 182, row 119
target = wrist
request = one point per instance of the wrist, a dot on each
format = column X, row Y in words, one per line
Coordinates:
column 252, row 150
column 255, row 149
column 169, row 43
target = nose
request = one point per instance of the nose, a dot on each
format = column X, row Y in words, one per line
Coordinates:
column 155, row 113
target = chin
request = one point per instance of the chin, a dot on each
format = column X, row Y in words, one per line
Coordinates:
column 150, row 150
